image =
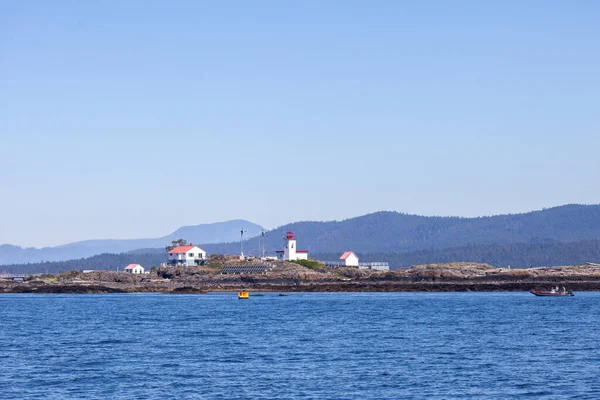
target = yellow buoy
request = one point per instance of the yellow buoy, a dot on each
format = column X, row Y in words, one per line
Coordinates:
column 243, row 295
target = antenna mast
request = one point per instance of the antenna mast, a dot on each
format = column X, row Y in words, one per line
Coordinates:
column 242, row 242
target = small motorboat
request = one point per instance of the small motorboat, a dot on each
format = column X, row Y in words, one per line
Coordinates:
column 552, row 292
column 243, row 295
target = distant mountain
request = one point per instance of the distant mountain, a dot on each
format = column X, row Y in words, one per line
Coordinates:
column 380, row 232
column 206, row 233
column 400, row 233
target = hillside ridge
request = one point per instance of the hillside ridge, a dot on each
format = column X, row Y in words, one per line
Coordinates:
column 378, row 232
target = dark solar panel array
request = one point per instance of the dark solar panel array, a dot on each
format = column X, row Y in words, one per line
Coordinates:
column 244, row 269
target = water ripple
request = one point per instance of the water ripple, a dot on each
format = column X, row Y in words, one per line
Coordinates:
column 301, row 346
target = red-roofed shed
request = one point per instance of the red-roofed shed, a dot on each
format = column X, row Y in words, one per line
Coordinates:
column 134, row 269
column 350, row 259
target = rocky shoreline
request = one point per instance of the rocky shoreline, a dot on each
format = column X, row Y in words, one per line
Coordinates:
column 289, row 277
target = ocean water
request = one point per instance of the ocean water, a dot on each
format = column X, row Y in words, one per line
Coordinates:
column 301, row 346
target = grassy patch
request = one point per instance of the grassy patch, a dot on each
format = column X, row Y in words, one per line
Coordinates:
column 311, row 264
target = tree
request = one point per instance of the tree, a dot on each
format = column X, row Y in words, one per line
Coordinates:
column 176, row 243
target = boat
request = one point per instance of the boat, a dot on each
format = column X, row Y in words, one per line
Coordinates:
column 555, row 291
column 243, row 295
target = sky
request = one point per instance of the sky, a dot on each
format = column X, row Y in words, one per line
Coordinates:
column 131, row 119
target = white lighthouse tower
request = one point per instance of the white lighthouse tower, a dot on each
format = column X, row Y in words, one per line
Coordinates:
column 289, row 253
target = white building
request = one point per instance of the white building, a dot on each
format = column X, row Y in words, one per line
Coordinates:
column 349, row 259
column 378, row 265
column 134, row 269
column 291, row 253
column 187, row 255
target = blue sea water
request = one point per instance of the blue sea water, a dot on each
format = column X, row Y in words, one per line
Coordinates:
column 301, row 346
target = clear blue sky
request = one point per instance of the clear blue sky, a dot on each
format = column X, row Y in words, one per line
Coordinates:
column 130, row 119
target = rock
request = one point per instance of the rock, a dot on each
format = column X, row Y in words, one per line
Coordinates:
column 187, row 290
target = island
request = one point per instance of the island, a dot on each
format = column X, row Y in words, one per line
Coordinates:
column 229, row 274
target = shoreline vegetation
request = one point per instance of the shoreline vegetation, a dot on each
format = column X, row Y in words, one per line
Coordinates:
column 312, row 277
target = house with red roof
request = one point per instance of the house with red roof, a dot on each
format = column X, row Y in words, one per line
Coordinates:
column 134, row 269
column 349, row 259
column 189, row 255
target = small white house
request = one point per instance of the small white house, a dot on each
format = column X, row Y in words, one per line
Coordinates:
column 134, row 269
column 187, row 255
column 349, row 259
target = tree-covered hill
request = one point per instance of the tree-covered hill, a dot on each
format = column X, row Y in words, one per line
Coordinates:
column 398, row 233
column 106, row 261
column 517, row 255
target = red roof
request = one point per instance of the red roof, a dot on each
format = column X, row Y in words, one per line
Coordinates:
column 181, row 249
column 132, row 266
column 301, row 251
column 346, row 255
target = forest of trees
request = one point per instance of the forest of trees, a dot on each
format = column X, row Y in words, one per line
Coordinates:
column 400, row 233
column 517, row 255
column 106, row 261
column 378, row 232
column 555, row 236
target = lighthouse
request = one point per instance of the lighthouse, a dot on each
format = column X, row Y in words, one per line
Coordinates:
column 290, row 252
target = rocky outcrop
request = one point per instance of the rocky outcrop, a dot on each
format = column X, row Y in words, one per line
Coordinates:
column 63, row 289
column 290, row 277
